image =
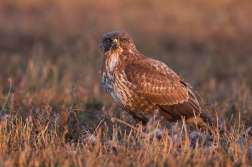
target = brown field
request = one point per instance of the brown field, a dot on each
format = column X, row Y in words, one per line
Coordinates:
column 54, row 112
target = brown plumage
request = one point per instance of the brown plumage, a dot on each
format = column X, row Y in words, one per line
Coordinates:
column 141, row 85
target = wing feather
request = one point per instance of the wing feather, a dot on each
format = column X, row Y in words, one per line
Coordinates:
column 160, row 86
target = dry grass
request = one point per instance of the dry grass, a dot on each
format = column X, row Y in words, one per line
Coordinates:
column 49, row 120
column 48, row 139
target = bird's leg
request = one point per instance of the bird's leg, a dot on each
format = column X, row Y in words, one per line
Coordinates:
column 151, row 128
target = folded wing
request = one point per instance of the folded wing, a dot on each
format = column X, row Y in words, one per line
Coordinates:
column 161, row 86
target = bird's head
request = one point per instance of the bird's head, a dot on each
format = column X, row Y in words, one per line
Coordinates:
column 116, row 41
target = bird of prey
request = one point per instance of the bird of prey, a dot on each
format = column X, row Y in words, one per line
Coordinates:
column 141, row 85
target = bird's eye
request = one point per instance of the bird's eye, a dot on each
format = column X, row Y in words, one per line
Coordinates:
column 108, row 40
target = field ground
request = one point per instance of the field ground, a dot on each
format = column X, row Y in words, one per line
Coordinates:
column 54, row 111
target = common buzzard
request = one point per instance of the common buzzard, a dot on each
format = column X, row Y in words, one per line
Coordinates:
column 141, row 85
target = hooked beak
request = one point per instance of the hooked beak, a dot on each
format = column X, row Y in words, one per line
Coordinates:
column 115, row 43
column 105, row 47
column 101, row 48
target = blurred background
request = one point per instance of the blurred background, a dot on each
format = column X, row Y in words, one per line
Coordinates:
column 45, row 45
